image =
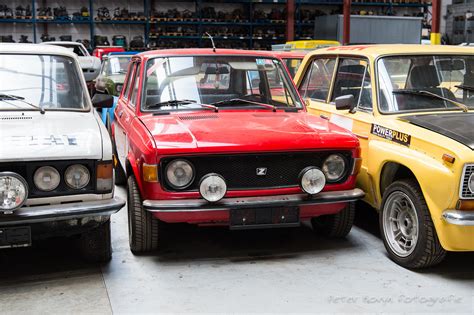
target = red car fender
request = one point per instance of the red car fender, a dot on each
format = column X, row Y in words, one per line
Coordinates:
column 135, row 167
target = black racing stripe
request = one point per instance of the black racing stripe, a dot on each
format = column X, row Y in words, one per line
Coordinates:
column 457, row 126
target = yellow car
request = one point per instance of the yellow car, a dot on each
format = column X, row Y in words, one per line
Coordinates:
column 412, row 108
column 311, row 44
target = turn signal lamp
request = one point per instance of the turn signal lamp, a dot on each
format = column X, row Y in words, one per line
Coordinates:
column 448, row 158
column 465, row 205
column 150, row 173
column 105, row 176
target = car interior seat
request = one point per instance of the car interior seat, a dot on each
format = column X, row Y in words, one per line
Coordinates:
column 349, row 81
column 426, row 77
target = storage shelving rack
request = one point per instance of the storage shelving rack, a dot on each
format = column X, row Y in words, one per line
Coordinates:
column 247, row 40
column 461, row 20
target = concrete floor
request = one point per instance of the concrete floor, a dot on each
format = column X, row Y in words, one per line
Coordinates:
column 216, row 270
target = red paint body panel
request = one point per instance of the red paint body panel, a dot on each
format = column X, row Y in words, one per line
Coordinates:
column 151, row 137
column 295, row 54
column 100, row 52
column 245, row 131
column 222, row 217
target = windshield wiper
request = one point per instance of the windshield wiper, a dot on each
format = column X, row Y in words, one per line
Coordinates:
column 239, row 100
column 9, row 97
column 182, row 102
column 465, row 87
column 432, row 95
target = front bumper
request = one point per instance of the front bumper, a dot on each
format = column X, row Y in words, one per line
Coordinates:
column 60, row 212
column 201, row 205
column 456, row 217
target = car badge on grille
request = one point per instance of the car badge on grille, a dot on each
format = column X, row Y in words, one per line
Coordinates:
column 261, row 171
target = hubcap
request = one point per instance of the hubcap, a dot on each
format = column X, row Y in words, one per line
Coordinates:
column 400, row 224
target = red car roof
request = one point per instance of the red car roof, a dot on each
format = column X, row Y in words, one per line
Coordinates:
column 290, row 54
column 206, row 51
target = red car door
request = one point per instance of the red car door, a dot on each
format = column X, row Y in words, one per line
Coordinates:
column 125, row 112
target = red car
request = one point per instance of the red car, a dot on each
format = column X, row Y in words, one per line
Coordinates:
column 101, row 51
column 223, row 138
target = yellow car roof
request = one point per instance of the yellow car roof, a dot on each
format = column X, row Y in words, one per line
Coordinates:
column 394, row 49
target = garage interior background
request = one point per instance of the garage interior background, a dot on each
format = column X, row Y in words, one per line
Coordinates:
column 235, row 24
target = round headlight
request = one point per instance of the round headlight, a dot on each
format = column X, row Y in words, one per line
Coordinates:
column 470, row 184
column 77, row 176
column 13, row 191
column 46, row 178
column 179, row 174
column 312, row 180
column 212, row 187
column 334, row 167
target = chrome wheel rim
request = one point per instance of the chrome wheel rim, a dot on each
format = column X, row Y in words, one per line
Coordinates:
column 400, row 224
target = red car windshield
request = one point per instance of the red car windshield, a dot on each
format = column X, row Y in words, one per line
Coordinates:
column 175, row 83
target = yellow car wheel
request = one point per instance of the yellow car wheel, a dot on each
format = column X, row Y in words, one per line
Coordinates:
column 407, row 230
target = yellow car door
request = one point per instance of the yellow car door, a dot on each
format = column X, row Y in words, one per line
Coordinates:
column 325, row 82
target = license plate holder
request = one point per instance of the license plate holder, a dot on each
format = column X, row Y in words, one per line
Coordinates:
column 267, row 217
column 11, row 237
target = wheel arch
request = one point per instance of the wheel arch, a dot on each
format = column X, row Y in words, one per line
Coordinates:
column 393, row 171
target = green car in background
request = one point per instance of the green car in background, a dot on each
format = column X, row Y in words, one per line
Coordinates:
column 110, row 80
column 112, row 73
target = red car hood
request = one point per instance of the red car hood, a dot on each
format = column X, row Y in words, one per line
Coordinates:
column 244, row 131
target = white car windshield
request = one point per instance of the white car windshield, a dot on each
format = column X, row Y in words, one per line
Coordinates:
column 30, row 82
column 425, row 83
column 179, row 83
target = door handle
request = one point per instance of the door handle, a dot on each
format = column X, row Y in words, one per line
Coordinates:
column 120, row 114
column 324, row 117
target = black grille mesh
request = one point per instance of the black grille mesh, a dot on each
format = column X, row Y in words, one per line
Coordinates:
column 466, row 193
column 240, row 171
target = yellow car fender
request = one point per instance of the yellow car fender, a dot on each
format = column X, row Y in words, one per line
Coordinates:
column 435, row 179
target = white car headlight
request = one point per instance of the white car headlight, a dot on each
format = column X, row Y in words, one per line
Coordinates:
column 312, row 180
column 46, row 178
column 334, row 167
column 213, row 187
column 13, row 191
column 179, row 174
column 470, row 184
column 77, row 176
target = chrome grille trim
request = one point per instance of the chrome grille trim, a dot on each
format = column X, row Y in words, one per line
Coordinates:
column 464, row 192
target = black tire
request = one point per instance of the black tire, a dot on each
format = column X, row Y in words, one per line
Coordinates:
column 142, row 226
column 95, row 245
column 428, row 250
column 120, row 175
column 335, row 225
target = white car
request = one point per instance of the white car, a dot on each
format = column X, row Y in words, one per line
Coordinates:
column 90, row 65
column 56, row 172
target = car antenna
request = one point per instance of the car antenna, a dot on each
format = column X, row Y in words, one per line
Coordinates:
column 212, row 41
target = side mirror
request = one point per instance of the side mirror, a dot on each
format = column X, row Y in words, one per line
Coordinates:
column 345, row 102
column 103, row 101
